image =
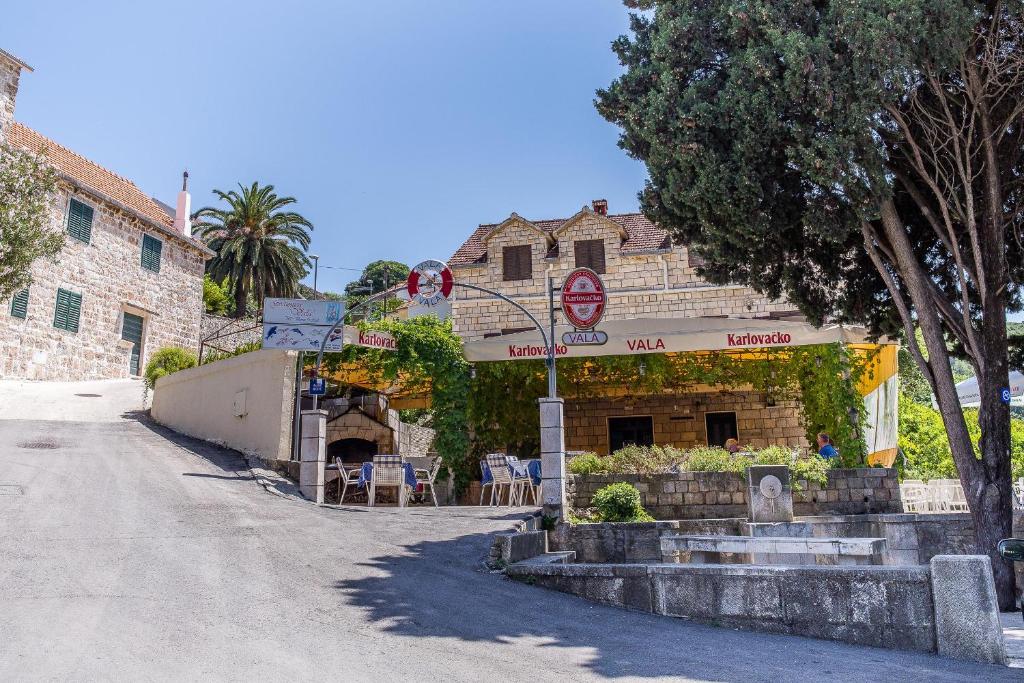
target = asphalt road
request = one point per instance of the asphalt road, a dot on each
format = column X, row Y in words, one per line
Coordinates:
column 130, row 553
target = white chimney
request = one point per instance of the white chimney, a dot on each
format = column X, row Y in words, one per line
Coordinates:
column 183, row 212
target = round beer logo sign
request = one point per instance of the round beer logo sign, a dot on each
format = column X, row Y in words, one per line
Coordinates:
column 430, row 283
column 583, row 298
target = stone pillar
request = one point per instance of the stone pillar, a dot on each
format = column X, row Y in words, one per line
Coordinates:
column 966, row 610
column 313, row 455
column 552, row 457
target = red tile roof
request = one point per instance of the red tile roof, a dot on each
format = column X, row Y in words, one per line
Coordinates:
column 642, row 236
column 91, row 175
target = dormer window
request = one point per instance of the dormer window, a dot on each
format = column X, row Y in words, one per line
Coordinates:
column 517, row 263
column 590, row 254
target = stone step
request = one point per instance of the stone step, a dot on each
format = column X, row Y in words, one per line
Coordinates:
column 560, row 557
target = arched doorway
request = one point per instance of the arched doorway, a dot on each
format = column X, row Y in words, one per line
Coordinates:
column 351, row 451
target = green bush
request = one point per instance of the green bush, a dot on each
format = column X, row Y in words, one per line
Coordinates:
column 643, row 459
column 713, row 459
column 214, row 356
column 586, row 463
column 620, row 502
column 167, row 361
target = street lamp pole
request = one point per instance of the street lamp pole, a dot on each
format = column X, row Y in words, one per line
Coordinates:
column 316, row 264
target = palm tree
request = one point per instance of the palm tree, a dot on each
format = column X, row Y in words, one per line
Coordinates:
column 257, row 244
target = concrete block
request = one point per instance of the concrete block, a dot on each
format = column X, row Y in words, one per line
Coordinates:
column 966, row 611
column 516, row 547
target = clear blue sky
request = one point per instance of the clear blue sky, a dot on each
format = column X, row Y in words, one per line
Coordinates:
column 399, row 126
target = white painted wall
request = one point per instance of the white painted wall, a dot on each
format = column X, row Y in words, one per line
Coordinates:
column 205, row 402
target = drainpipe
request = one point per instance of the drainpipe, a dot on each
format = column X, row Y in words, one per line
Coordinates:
column 664, row 270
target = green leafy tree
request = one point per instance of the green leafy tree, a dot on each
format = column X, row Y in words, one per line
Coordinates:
column 216, row 297
column 261, row 247
column 377, row 277
column 862, row 158
column 27, row 184
column 1016, row 337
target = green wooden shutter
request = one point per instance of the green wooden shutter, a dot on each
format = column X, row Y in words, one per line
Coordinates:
column 151, row 248
column 131, row 330
column 80, row 221
column 68, row 311
column 19, row 304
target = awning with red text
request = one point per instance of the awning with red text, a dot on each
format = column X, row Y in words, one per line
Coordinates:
column 665, row 335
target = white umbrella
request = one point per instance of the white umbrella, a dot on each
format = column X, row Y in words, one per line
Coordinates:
column 970, row 396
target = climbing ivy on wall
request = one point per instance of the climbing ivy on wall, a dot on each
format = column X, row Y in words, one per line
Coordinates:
column 429, row 357
column 503, row 399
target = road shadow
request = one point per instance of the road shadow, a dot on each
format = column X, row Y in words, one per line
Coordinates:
column 225, row 459
column 439, row 589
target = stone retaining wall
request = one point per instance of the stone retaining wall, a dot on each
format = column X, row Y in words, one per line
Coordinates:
column 892, row 607
column 716, row 495
column 910, row 539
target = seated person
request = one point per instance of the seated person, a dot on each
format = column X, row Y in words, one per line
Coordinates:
column 732, row 445
column 825, row 447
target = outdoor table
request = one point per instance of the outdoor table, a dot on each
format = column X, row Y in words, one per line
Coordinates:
column 532, row 469
column 366, row 474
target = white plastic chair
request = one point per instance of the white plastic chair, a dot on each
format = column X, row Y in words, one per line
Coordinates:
column 426, row 472
column 500, row 477
column 388, row 472
column 346, row 476
column 915, row 496
column 520, row 480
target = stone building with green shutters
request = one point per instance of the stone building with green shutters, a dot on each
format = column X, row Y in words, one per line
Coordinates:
column 128, row 282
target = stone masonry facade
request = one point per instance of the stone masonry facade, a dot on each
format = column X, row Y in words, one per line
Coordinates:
column 661, row 283
column 106, row 271
column 646, row 277
column 10, row 74
column 679, row 420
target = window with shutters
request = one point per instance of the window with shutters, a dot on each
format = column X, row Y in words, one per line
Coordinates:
column 590, row 254
column 151, row 248
column 517, row 263
column 80, row 220
column 68, row 311
column 19, row 304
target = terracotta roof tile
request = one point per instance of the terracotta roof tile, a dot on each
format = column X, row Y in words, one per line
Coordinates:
column 91, row 175
column 643, row 235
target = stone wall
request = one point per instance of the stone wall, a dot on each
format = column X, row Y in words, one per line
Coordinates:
column 680, row 420
column 652, row 285
column 10, row 74
column 230, row 332
column 891, row 607
column 910, row 539
column 717, row 495
column 108, row 273
column 415, row 440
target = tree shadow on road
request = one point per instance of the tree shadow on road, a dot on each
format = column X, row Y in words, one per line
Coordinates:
column 439, row 589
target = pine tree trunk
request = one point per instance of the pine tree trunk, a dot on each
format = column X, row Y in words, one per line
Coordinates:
column 990, row 497
column 986, row 482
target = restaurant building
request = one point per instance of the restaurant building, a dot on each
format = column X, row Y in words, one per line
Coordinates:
column 128, row 282
column 657, row 303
